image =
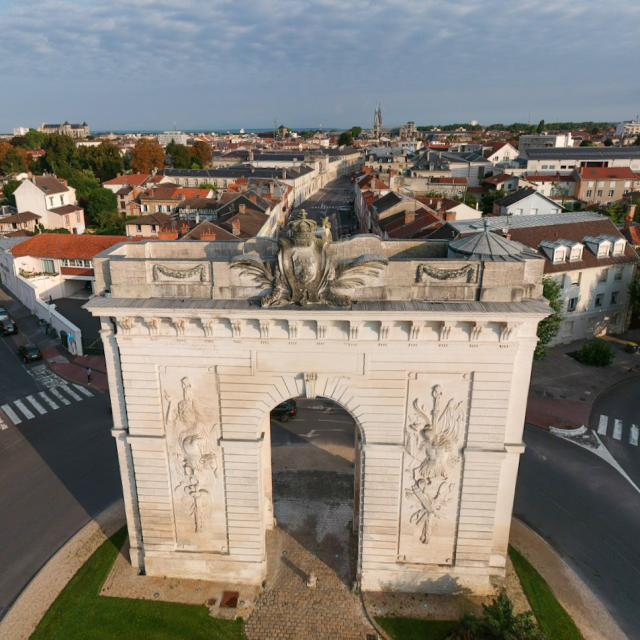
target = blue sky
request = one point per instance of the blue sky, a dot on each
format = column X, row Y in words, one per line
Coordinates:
column 230, row 63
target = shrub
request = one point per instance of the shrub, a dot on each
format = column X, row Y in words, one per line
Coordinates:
column 595, row 354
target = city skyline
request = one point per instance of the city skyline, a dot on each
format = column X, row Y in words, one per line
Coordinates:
column 143, row 65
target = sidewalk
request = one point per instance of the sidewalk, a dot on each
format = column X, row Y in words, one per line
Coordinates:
column 74, row 368
column 591, row 617
column 563, row 390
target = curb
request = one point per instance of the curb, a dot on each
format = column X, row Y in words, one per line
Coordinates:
column 588, row 613
column 33, row 603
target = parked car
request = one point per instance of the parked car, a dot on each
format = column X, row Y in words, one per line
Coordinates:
column 8, row 327
column 3, row 313
column 29, row 353
column 285, row 410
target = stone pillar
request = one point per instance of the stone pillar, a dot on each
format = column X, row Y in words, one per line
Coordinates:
column 267, row 474
column 514, row 447
column 120, row 433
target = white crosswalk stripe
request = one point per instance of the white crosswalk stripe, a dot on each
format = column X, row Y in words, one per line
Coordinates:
column 11, row 414
column 54, row 392
column 603, row 422
column 38, row 407
column 83, row 390
column 48, row 400
column 67, row 389
column 26, row 412
column 617, row 429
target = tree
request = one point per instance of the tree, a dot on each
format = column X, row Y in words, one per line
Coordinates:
column 5, row 147
column 105, row 161
column 345, row 139
column 488, row 198
column 180, row 155
column 147, row 156
column 356, row 131
column 110, row 223
column 61, row 155
column 586, row 143
column 100, row 202
column 498, row 622
column 15, row 160
column 201, row 152
column 31, row 140
column 540, row 127
column 8, row 190
column 549, row 327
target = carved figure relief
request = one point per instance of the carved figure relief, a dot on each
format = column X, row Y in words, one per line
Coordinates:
column 434, row 435
column 432, row 447
column 195, row 460
column 304, row 272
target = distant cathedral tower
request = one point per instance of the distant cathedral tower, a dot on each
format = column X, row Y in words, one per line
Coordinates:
column 377, row 121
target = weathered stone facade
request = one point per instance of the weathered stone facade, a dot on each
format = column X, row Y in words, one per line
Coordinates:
column 428, row 349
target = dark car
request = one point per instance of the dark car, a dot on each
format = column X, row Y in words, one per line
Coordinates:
column 285, row 410
column 8, row 327
column 30, row 353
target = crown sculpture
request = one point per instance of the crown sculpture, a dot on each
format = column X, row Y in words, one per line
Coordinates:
column 305, row 272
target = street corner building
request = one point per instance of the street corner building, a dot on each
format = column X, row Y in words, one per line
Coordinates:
column 427, row 344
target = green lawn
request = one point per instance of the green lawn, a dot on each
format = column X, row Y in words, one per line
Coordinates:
column 79, row 613
column 552, row 618
column 410, row 629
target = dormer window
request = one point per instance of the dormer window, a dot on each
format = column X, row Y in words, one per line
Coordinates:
column 619, row 247
column 559, row 254
column 604, row 248
column 576, row 253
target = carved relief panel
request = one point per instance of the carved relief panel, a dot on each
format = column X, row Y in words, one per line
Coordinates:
column 192, row 427
column 435, row 432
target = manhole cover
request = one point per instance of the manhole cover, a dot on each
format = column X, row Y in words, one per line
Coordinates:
column 229, row 600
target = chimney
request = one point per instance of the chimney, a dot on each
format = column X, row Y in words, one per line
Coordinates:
column 242, row 208
column 168, row 235
column 632, row 212
column 235, row 227
column 208, row 236
column 253, row 198
column 409, row 217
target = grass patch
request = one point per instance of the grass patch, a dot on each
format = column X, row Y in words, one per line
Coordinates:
column 80, row 613
column 554, row 621
column 411, row 629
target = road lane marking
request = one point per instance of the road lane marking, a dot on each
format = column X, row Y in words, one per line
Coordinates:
column 633, row 435
column 70, row 391
column 48, row 400
column 11, row 414
column 84, row 391
column 38, row 407
column 54, row 391
column 23, row 408
column 617, row 429
column 602, row 425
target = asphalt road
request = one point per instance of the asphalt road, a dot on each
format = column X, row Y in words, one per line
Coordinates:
column 57, row 469
column 334, row 201
column 621, row 402
column 589, row 514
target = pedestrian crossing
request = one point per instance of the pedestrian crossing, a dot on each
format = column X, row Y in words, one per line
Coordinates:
column 615, row 428
column 39, row 404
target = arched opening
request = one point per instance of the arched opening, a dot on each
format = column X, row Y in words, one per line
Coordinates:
column 314, row 478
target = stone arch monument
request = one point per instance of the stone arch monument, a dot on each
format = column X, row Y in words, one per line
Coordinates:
column 428, row 345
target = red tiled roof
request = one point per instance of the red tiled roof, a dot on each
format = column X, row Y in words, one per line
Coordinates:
column 556, row 177
column 501, row 177
column 58, row 245
column 133, row 179
column 608, row 173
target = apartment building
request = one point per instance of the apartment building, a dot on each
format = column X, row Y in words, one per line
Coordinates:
column 604, row 185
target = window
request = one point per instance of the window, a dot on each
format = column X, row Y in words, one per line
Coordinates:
column 614, row 297
column 603, row 276
column 576, row 277
column 618, row 272
column 154, row 227
column 78, row 218
column 599, row 193
column 560, row 254
column 61, row 199
column 51, row 201
column 590, row 184
column 76, row 262
column 603, row 249
column 599, row 300
column 534, row 211
column 139, row 227
column 576, row 253
column 48, row 266
column 618, row 247
column 572, row 303
column 610, row 193
column 589, row 193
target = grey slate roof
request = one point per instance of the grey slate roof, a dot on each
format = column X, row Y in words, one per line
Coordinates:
column 516, row 196
column 489, row 246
